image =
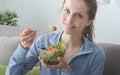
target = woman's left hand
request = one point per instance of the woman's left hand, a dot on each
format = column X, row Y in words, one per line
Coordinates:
column 61, row 65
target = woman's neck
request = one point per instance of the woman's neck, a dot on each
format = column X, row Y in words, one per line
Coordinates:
column 72, row 40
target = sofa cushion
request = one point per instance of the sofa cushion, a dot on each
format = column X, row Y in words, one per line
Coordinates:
column 2, row 70
column 34, row 71
column 7, row 46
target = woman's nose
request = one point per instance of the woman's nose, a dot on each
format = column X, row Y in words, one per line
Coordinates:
column 70, row 19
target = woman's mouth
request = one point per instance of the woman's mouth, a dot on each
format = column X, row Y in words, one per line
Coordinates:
column 68, row 26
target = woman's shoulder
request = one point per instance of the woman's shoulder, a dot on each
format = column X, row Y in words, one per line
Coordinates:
column 97, row 52
column 96, row 48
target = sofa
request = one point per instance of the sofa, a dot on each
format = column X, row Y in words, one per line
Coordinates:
column 112, row 58
column 9, row 39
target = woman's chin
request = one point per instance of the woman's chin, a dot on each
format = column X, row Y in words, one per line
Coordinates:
column 67, row 31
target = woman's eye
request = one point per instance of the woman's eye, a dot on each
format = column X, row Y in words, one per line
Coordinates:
column 67, row 11
column 79, row 15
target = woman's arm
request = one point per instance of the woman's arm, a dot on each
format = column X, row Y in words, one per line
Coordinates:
column 23, row 59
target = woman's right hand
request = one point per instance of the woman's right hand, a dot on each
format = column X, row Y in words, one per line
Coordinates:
column 27, row 37
column 63, row 65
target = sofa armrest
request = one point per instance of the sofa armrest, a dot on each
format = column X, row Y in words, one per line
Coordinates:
column 112, row 58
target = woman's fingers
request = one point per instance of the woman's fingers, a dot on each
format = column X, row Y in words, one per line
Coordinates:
column 42, row 62
column 60, row 60
column 26, row 31
column 63, row 64
column 27, row 37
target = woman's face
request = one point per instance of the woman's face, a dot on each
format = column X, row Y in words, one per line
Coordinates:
column 74, row 16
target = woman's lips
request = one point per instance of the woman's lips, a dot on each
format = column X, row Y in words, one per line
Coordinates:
column 69, row 26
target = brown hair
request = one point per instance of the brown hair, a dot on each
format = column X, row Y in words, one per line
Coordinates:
column 92, row 9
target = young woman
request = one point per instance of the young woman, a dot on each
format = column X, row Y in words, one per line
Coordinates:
column 82, row 55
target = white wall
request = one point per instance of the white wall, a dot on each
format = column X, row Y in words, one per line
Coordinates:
column 2, row 4
column 107, row 24
column 40, row 14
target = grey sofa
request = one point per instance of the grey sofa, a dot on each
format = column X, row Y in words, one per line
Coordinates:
column 112, row 59
column 9, row 39
column 112, row 51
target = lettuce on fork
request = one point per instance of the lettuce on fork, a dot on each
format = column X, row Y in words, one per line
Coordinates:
column 51, row 54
